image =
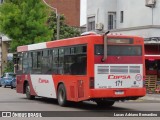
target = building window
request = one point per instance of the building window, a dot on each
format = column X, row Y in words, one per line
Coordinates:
column 122, row 15
column 91, row 23
column 111, row 20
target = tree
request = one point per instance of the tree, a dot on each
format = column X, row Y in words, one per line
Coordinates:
column 65, row 30
column 9, row 67
column 24, row 21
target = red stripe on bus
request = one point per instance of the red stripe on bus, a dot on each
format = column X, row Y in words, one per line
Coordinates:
column 22, row 48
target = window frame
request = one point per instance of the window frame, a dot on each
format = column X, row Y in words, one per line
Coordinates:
column 121, row 16
column 109, row 54
column 91, row 23
column 111, row 22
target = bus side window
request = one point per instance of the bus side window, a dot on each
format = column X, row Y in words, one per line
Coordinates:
column 61, row 61
column 30, row 61
column 79, row 61
column 46, row 62
column 55, row 61
column 25, row 63
column 19, row 63
column 67, row 60
column 74, row 66
column 83, row 65
column 37, row 58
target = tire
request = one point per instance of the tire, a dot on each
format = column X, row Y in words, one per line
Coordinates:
column 62, row 96
column 105, row 103
column 27, row 91
column 11, row 87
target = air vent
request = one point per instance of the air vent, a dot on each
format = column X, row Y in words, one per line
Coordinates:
column 99, row 26
column 103, row 69
column 150, row 3
column 119, row 69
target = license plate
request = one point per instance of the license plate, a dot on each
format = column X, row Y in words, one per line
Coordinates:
column 119, row 92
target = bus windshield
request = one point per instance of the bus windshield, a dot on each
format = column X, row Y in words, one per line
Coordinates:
column 119, row 50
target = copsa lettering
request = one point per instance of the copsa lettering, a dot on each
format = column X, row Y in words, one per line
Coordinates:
column 43, row 81
column 119, row 77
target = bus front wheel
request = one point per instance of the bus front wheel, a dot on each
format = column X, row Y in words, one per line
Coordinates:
column 28, row 94
column 62, row 97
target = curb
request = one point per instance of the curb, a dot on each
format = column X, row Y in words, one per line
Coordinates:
column 150, row 98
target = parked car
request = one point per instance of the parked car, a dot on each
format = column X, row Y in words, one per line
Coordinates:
column 7, row 78
column 13, row 83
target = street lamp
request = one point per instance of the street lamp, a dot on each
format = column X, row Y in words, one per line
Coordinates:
column 57, row 16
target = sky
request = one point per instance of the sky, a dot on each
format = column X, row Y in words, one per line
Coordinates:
column 83, row 12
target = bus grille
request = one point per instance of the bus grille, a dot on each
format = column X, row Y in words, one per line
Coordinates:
column 118, row 69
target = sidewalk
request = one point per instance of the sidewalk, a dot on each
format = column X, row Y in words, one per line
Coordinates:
column 155, row 97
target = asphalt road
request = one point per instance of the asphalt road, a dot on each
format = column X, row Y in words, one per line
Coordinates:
column 12, row 101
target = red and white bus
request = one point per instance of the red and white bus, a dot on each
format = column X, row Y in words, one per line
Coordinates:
column 102, row 68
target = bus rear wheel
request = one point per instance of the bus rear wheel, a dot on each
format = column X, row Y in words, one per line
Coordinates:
column 62, row 97
column 105, row 103
column 28, row 93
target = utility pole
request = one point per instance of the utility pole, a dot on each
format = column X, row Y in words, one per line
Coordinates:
column 1, row 53
column 57, row 17
column 58, row 26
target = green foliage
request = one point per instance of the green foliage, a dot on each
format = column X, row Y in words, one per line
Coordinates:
column 27, row 22
column 24, row 21
column 9, row 67
column 65, row 30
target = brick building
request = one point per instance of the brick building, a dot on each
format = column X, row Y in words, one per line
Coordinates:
column 70, row 9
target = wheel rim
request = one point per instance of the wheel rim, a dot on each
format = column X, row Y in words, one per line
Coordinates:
column 27, row 91
column 61, row 95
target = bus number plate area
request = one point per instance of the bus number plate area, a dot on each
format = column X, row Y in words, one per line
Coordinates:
column 118, row 76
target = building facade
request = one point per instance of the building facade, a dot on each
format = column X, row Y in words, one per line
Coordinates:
column 69, row 8
column 4, row 45
column 131, row 17
column 125, row 16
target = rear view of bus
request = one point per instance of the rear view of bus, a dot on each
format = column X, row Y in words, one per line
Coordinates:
column 118, row 69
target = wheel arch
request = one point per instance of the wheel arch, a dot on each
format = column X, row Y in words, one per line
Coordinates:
column 58, row 87
column 24, row 85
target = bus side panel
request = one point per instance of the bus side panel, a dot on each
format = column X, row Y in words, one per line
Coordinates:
column 42, row 85
column 76, row 86
column 28, row 78
column 20, row 81
column 20, row 84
